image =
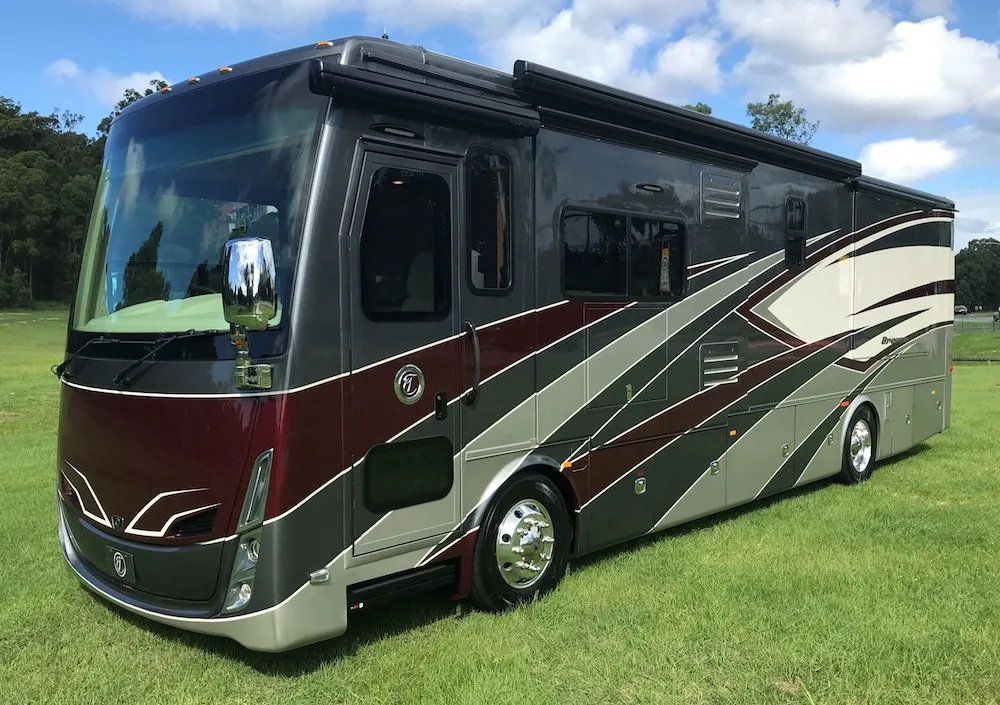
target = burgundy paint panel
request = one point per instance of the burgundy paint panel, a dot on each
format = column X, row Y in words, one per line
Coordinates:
column 314, row 446
column 312, row 443
column 377, row 415
column 132, row 448
column 157, row 515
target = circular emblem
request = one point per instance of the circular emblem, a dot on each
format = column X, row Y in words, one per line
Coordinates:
column 121, row 567
column 409, row 384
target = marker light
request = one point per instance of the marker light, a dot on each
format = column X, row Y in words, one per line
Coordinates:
column 252, row 513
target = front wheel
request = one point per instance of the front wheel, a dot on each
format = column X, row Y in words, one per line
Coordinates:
column 523, row 544
column 859, row 447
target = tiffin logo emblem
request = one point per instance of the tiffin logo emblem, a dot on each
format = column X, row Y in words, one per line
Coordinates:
column 409, row 384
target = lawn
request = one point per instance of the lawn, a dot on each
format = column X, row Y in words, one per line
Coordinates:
column 977, row 346
column 881, row 593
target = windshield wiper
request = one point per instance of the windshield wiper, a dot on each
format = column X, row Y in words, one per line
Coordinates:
column 127, row 376
column 59, row 369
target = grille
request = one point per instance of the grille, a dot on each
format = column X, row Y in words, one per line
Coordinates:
column 195, row 525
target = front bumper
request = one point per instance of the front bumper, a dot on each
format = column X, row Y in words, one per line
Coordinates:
column 312, row 613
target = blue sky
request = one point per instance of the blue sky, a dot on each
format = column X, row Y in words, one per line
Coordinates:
column 910, row 87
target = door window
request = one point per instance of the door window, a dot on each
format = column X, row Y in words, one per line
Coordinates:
column 405, row 247
column 489, row 222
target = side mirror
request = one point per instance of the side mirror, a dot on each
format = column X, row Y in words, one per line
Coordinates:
column 249, row 294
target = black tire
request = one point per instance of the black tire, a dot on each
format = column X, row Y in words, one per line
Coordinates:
column 490, row 590
column 849, row 473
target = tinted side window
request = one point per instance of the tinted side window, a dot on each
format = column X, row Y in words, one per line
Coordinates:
column 795, row 215
column 594, row 253
column 795, row 232
column 407, row 473
column 657, row 258
column 489, row 236
column 406, row 247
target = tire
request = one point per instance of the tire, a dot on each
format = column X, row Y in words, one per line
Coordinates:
column 860, row 447
column 535, row 498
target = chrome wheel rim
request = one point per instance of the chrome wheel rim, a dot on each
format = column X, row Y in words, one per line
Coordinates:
column 861, row 445
column 524, row 543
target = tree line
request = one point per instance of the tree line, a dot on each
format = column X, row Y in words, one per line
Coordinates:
column 48, row 177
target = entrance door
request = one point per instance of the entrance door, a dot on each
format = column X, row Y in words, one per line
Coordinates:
column 498, row 426
column 404, row 351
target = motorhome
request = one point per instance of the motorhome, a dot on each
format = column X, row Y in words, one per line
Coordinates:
column 358, row 319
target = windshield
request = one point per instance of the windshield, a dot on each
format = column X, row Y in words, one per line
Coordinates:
column 181, row 177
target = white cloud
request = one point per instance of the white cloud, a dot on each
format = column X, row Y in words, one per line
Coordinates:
column 663, row 15
column 604, row 40
column 978, row 215
column 692, row 61
column 925, row 72
column 63, row 68
column 906, row 160
column 808, row 31
column 566, row 44
column 108, row 87
column 570, row 42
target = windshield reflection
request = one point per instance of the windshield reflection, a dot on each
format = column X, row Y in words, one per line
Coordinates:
column 180, row 178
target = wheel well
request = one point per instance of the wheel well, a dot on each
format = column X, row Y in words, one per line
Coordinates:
column 568, row 495
column 878, row 421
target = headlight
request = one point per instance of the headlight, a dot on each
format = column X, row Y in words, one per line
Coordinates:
column 238, row 596
column 244, row 568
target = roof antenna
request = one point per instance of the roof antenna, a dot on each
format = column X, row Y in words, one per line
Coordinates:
column 385, row 34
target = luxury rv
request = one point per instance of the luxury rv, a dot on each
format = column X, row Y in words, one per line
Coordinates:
column 357, row 319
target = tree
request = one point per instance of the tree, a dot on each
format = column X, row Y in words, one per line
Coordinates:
column 700, row 108
column 782, row 119
column 131, row 95
column 48, row 176
column 977, row 274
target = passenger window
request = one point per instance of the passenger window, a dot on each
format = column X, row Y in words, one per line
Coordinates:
column 657, row 259
column 594, row 254
column 406, row 247
column 795, row 232
column 489, row 236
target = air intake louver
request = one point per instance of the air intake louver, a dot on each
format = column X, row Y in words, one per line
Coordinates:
column 194, row 525
column 720, row 196
column 721, row 363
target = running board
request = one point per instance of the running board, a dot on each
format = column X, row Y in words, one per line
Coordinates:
column 394, row 587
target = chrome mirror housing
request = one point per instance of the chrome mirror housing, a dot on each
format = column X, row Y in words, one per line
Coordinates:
column 249, row 293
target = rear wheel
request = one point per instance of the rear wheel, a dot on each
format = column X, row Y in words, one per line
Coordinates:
column 523, row 544
column 859, row 446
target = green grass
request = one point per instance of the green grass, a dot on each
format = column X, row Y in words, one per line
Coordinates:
column 977, row 346
column 881, row 593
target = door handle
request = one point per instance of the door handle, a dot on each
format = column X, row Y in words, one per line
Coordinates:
column 470, row 398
